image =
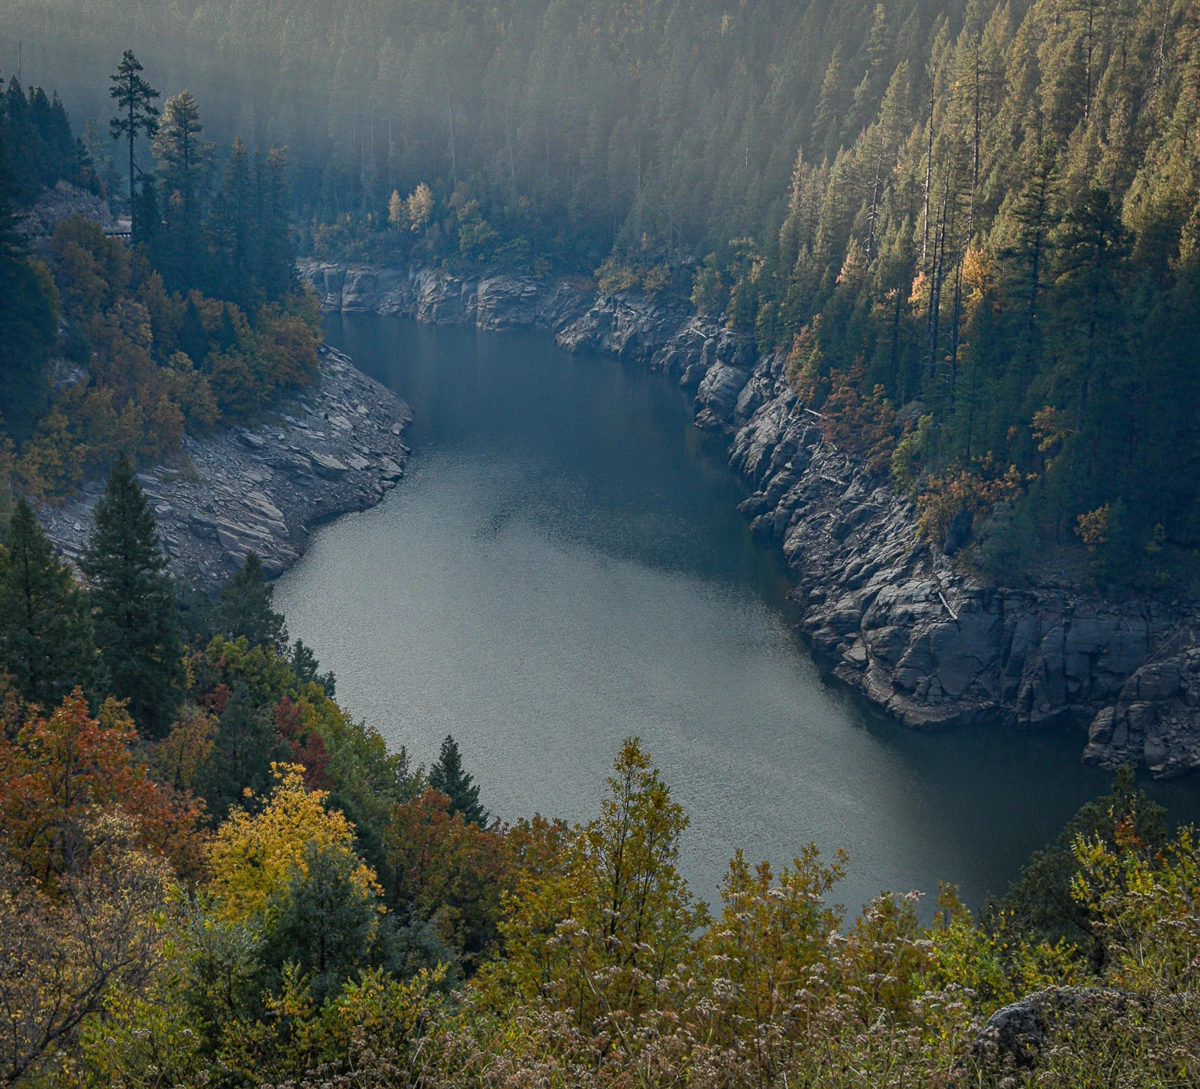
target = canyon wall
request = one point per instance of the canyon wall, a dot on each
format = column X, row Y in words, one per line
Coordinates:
column 888, row 613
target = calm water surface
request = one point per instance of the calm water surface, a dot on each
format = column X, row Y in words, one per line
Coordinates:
column 564, row 566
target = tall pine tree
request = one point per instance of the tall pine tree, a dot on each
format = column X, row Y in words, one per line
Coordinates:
column 134, row 598
column 136, row 114
column 185, row 162
column 247, row 607
column 46, row 643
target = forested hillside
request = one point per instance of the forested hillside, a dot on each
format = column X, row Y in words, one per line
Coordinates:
column 107, row 348
column 972, row 226
column 971, row 229
column 1002, row 268
column 574, row 124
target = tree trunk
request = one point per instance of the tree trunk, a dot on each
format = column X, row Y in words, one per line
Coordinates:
column 928, row 176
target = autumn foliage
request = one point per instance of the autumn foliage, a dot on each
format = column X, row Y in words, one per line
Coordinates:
column 61, row 772
column 251, row 857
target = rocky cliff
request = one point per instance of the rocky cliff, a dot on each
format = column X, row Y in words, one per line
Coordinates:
column 336, row 447
column 886, row 612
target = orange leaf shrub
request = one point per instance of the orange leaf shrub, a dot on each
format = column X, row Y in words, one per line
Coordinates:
column 59, row 772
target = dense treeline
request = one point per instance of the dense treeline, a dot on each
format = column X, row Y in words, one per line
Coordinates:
column 995, row 284
column 42, row 150
column 572, row 124
column 107, row 347
column 211, row 875
column 984, row 272
column 984, row 264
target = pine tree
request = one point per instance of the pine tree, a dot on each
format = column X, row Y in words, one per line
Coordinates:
column 825, row 120
column 137, row 114
column 1034, row 216
column 134, row 598
column 325, row 919
column 448, row 776
column 246, row 608
column 246, row 745
column 277, row 256
column 307, row 668
column 46, row 642
column 1089, row 250
column 184, row 163
column 238, row 207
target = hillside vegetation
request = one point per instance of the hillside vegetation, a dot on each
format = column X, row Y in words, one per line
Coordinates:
column 972, row 229
column 972, row 226
column 211, row 875
column 107, row 348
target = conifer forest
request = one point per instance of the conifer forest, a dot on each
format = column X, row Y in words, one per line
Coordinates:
column 967, row 233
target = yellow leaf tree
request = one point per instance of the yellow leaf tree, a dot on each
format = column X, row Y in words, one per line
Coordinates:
column 252, row 857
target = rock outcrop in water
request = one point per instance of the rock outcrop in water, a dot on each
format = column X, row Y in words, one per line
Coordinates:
column 888, row 613
column 334, row 448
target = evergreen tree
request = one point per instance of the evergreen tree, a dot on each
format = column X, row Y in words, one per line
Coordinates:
column 325, row 920
column 1034, row 217
column 46, row 643
column 307, row 668
column 134, row 597
column 1089, row 251
column 448, row 776
column 147, row 224
column 38, row 134
column 184, row 164
column 136, row 114
column 277, row 254
column 238, row 194
column 246, row 608
column 195, row 609
column 825, row 120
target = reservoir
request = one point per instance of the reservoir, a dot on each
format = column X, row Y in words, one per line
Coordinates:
column 564, row 566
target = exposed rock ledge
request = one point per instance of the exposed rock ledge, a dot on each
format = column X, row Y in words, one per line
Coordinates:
column 334, row 448
column 891, row 616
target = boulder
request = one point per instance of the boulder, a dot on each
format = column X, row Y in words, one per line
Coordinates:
column 328, row 466
column 718, row 393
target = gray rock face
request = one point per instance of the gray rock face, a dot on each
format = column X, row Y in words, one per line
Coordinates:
column 337, row 447
column 717, row 397
column 492, row 302
column 625, row 326
column 896, row 620
column 1156, row 719
column 888, row 614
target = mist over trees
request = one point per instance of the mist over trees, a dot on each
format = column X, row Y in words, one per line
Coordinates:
column 971, row 225
column 576, row 124
column 971, row 228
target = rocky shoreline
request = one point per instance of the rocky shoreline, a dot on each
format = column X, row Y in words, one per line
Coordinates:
column 886, row 612
column 333, row 448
